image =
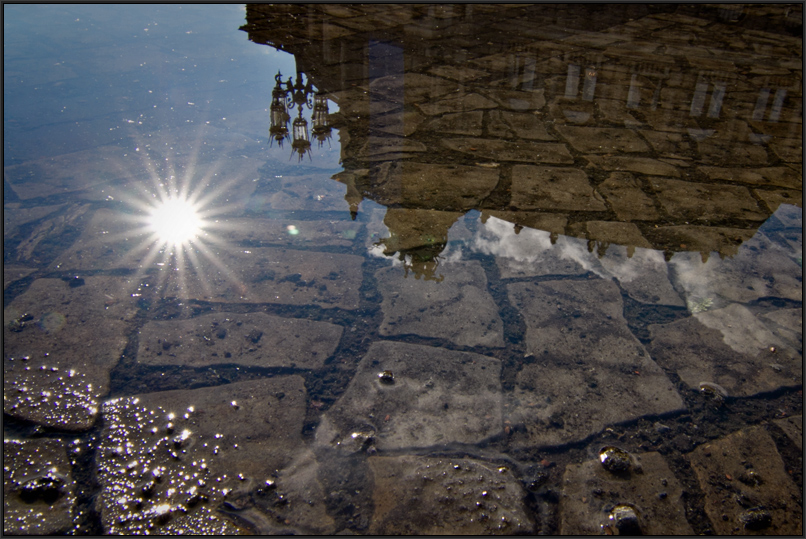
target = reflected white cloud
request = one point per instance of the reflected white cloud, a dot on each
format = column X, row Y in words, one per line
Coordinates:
column 497, row 237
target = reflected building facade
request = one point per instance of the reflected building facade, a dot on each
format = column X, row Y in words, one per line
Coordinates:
column 671, row 127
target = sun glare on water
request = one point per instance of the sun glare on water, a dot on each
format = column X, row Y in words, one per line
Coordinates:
column 176, row 222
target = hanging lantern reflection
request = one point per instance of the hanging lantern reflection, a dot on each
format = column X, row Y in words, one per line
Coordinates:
column 320, row 119
column 298, row 94
column 301, row 143
column 279, row 113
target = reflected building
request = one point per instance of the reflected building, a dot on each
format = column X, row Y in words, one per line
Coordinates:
column 671, row 127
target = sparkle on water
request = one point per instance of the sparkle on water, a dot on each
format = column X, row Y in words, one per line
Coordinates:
column 176, row 222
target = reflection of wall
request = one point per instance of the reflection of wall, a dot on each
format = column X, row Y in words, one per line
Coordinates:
column 632, row 124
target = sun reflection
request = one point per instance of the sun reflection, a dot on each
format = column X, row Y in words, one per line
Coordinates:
column 176, row 222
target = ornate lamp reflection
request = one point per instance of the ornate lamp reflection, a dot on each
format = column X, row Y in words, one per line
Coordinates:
column 298, row 94
column 278, row 112
column 320, row 119
column 301, row 143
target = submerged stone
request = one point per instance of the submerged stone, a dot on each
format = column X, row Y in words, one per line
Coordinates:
column 255, row 339
column 435, row 496
column 38, row 489
column 594, row 500
column 72, row 337
column 559, row 397
column 439, row 396
column 762, row 505
column 459, row 308
column 152, row 484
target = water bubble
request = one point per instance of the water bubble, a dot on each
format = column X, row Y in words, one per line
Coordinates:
column 48, row 487
column 614, row 459
column 713, row 390
column 756, row 518
column 625, row 518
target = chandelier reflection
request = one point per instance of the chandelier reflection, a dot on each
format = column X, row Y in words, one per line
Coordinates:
column 300, row 95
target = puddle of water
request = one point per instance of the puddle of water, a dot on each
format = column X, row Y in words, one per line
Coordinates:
column 402, row 269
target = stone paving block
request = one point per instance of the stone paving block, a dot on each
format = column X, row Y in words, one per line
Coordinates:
column 506, row 124
column 443, row 187
column 747, row 490
column 722, row 152
column 627, row 234
column 614, row 110
column 553, row 189
column 14, row 215
column 775, row 198
column 699, row 353
column 789, row 150
column 787, row 324
column 110, row 240
column 625, row 195
column 793, row 428
column 502, row 150
column 759, row 269
column 14, row 273
column 602, row 139
column 666, row 143
column 312, row 192
column 641, row 165
column 415, row 229
column 441, row 496
column 461, row 74
column 590, row 493
column 62, row 399
column 644, row 275
column 458, row 123
column 703, row 239
column 553, row 223
column 458, row 308
column 79, row 326
column 45, row 238
column 519, row 100
column 778, row 176
column 456, row 103
column 254, row 339
column 168, row 460
column 390, row 148
column 414, row 87
column 588, row 371
column 743, row 331
column 401, row 124
column 58, row 175
column 38, row 487
column 706, row 202
column 298, row 504
column 270, row 275
column 437, row 397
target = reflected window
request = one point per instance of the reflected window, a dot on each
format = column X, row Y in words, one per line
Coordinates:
column 698, row 101
column 589, row 88
column 777, row 104
column 761, row 104
column 572, row 81
column 716, row 100
column 634, row 93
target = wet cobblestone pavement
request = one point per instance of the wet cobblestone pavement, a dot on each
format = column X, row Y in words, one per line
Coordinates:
column 539, row 273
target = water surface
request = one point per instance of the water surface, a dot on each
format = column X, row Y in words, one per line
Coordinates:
column 390, row 269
